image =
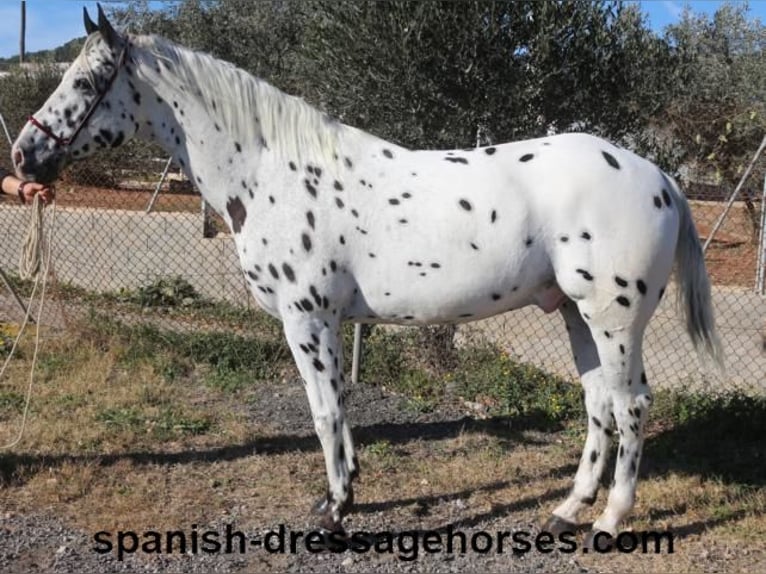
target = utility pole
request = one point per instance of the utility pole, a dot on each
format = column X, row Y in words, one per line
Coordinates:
column 23, row 31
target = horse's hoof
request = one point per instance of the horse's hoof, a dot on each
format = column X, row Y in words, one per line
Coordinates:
column 322, row 505
column 605, row 541
column 556, row 526
column 333, row 533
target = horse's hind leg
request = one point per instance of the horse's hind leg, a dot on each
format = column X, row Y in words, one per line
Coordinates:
column 315, row 343
column 598, row 405
column 607, row 347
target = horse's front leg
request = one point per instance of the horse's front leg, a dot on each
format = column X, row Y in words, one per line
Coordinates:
column 315, row 343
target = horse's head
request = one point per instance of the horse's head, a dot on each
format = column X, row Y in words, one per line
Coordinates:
column 93, row 107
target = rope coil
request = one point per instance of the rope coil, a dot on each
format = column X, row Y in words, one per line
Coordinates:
column 30, row 258
column 34, row 262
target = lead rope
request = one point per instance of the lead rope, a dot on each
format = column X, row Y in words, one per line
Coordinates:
column 34, row 262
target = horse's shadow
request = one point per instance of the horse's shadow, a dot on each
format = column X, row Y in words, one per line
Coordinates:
column 510, row 429
column 724, row 441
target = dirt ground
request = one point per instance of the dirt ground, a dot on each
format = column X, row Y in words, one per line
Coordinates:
column 420, row 471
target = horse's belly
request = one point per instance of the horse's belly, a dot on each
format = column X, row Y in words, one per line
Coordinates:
column 466, row 296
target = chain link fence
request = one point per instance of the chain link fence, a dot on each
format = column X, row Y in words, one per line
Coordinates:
column 142, row 248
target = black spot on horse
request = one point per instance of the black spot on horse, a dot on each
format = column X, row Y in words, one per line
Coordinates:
column 237, row 213
column 496, row 296
column 586, row 236
column 273, row 271
column 393, row 201
column 620, row 281
column 310, row 188
column 465, row 205
column 292, row 166
column 310, row 219
column 338, row 185
column 610, row 159
column 493, row 216
column 587, row 276
column 593, row 456
column 526, row 157
column 657, row 202
column 666, row 197
column 315, row 295
column 489, row 150
column 388, row 153
column 339, row 203
column 457, row 160
column 624, row 301
column 119, row 139
column 306, row 240
column 238, row 147
column 106, row 135
column 288, row 272
column 641, row 287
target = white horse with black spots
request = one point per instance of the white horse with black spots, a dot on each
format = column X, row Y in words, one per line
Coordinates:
column 334, row 224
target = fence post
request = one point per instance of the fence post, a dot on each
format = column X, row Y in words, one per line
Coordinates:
column 760, row 276
column 356, row 357
column 734, row 195
column 159, row 185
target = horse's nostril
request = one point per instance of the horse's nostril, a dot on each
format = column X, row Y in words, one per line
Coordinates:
column 18, row 158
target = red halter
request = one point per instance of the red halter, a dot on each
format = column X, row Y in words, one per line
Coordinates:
column 66, row 142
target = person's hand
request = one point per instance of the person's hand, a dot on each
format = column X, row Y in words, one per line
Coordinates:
column 28, row 190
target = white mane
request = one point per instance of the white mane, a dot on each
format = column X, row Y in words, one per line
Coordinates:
column 247, row 107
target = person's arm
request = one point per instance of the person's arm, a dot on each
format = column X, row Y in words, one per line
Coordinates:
column 24, row 190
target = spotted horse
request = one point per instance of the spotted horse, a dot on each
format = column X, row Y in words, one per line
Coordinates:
column 333, row 224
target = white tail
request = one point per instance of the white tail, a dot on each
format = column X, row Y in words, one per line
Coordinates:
column 693, row 283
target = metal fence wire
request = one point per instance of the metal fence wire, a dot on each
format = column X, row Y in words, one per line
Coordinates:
column 123, row 234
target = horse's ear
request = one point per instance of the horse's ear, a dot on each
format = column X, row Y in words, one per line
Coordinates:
column 90, row 25
column 107, row 31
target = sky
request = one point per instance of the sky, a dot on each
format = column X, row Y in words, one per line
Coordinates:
column 51, row 23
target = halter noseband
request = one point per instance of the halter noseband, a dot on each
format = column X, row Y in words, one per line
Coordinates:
column 66, row 142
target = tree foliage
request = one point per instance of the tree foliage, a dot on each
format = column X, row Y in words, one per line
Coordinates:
column 433, row 73
column 717, row 112
column 437, row 73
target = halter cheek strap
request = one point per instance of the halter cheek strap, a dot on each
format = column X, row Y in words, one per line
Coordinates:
column 67, row 141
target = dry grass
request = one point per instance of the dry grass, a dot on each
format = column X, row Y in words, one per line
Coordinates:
column 111, row 443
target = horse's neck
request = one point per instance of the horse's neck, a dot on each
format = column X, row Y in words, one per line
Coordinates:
column 221, row 163
column 210, row 156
